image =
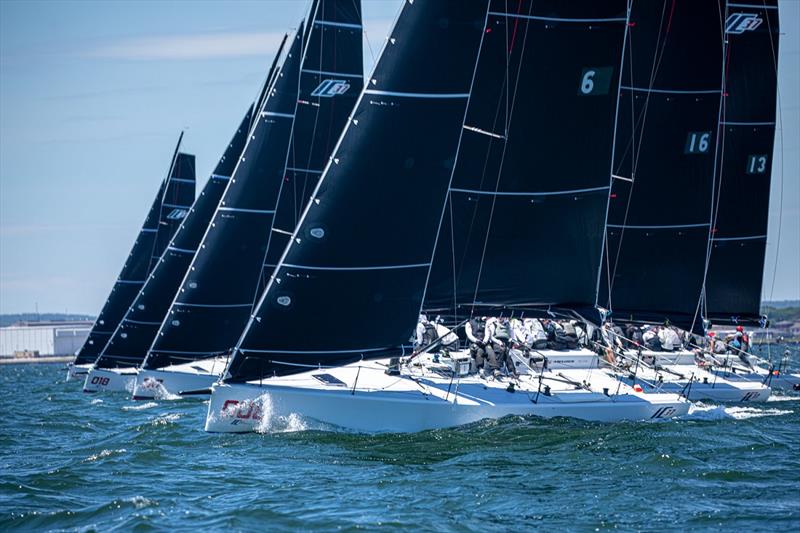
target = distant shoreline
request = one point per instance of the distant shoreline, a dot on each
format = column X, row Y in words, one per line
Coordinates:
column 35, row 360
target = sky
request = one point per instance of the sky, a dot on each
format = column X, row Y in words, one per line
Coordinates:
column 93, row 96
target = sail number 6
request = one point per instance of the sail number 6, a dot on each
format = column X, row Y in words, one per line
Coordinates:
column 595, row 80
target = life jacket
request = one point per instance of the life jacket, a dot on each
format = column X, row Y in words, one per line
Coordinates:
column 478, row 328
column 430, row 334
column 502, row 331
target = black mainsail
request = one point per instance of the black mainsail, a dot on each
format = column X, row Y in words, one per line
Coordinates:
column 136, row 331
column 302, row 117
column 174, row 198
column 523, row 227
column 741, row 210
column 356, row 266
column 664, row 163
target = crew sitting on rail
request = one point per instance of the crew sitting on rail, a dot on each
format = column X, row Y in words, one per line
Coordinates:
column 633, row 338
column 611, row 340
column 500, row 334
column 480, row 348
column 429, row 332
column 650, row 338
column 670, row 341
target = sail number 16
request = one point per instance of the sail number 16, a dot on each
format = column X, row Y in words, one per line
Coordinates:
column 697, row 142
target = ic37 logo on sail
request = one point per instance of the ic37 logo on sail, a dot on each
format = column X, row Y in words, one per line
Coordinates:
column 330, row 88
column 742, row 22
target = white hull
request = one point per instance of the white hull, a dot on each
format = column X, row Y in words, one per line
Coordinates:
column 167, row 383
column 78, row 372
column 369, row 400
column 110, row 380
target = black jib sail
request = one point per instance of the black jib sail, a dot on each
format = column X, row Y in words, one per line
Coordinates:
column 666, row 141
column 136, row 331
column 219, row 291
column 355, row 269
column 523, row 227
column 739, row 235
column 174, row 198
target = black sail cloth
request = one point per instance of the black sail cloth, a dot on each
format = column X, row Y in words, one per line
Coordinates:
column 523, row 227
column 304, row 120
column 739, row 235
column 666, row 141
column 174, row 198
column 351, row 281
column 136, row 331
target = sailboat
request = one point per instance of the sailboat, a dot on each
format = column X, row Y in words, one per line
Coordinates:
column 737, row 247
column 119, row 361
column 359, row 263
column 298, row 125
column 171, row 204
column 667, row 157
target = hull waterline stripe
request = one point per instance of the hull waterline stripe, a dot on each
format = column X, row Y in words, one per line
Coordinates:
column 131, row 281
column 305, row 170
column 382, row 267
column 180, row 250
column 275, row 114
column 328, row 73
column 752, row 238
column 141, row 322
column 213, row 305
column 555, row 19
column 338, row 24
column 416, row 95
column 747, row 123
column 670, row 91
column 182, row 180
column 672, row 226
column 242, row 210
column 510, row 193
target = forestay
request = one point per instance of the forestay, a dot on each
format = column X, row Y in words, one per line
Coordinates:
column 738, row 244
column 664, row 162
column 350, row 283
column 136, row 331
column 174, row 198
column 523, row 227
column 218, row 293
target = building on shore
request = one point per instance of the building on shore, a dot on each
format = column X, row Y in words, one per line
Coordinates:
column 45, row 338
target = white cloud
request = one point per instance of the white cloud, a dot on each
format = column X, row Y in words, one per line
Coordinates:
column 198, row 46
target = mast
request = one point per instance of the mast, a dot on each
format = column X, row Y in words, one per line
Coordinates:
column 523, row 226
column 137, row 329
column 665, row 162
column 741, row 208
column 176, row 193
column 356, row 265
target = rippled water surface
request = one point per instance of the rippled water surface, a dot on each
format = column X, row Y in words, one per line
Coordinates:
column 69, row 461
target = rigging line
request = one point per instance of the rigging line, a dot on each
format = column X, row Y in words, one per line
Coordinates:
column 228, row 185
column 779, row 119
column 719, row 154
column 510, row 109
column 455, row 159
column 613, row 152
column 638, row 122
column 306, row 209
column 262, row 279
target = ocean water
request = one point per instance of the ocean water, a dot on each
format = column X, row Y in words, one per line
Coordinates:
column 74, row 462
